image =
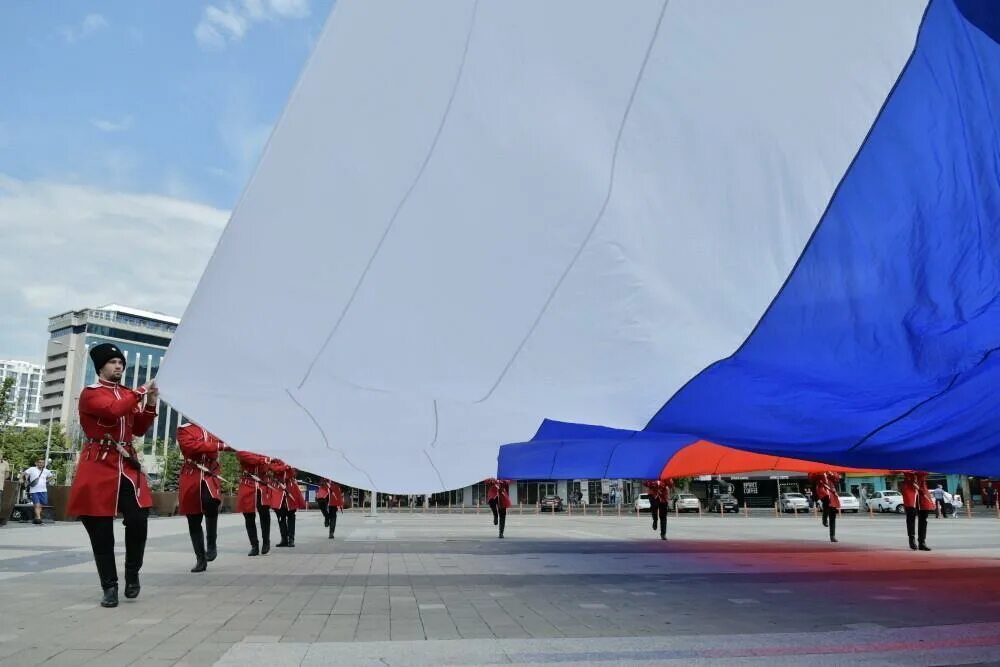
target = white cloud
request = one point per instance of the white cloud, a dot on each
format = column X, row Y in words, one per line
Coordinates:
column 71, row 246
column 290, row 8
column 91, row 24
column 105, row 125
column 222, row 24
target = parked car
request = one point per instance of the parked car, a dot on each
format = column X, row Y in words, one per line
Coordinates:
column 793, row 502
column 725, row 503
column 641, row 503
column 848, row 503
column 551, row 503
column 887, row 501
column 686, row 502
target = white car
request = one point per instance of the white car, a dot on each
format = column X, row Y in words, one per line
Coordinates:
column 793, row 502
column 848, row 503
column 686, row 502
column 887, row 501
column 641, row 503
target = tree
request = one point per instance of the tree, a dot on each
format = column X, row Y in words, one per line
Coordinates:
column 230, row 471
column 7, row 407
column 171, row 470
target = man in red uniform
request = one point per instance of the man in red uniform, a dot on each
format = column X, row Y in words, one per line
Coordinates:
column 199, row 492
column 498, row 498
column 826, row 490
column 659, row 489
column 255, row 496
column 918, row 503
column 109, row 479
column 286, row 499
column 330, row 498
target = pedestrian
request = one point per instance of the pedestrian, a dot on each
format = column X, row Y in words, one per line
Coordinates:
column 36, row 480
column 286, row 499
column 498, row 498
column 109, row 479
column 255, row 496
column 918, row 503
column 199, row 492
column 330, row 498
column 938, row 494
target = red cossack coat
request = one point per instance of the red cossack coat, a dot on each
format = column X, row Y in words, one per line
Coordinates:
column 915, row 493
column 331, row 490
column 110, row 413
column 253, row 466
column 198, row 447
column 288, row 495
column 498, row 488
column 659, row 490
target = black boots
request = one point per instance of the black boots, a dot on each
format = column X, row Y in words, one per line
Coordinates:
column 923, row 547
column 198, row 542
column 283, row 529
column 331, row 521
column 913, row 543
column 110, row 598
column 265, row 547
column 211, row 530
column 132, row 587
column 107, row 570
column 291, row 529
column 254, row 549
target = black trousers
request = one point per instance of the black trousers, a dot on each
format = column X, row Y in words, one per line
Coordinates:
column 662, row 510
column 265, row 523
column 654, row 511
column 329, row 513
column 830, row 517
column 499, row 513
column 210, row 512
column 286, row 522
column 918, row 517
column 101, row 530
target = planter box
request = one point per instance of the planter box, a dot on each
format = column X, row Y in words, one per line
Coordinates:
column 228, row 503
column 164, row 503
column 59, row 500
column 11, row 490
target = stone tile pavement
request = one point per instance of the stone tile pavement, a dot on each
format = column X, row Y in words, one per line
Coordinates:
column 422, row 589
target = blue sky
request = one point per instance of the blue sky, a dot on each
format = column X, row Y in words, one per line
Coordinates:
column 127, row 131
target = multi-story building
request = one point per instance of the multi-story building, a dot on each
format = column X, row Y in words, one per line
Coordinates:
column 142, row 336
column 27, row 390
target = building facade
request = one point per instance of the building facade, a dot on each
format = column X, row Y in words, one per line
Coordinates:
column 142, row 336
column 27, row 390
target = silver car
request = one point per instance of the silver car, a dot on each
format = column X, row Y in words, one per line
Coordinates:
column 793, row 502
column 848, row 503
column 686, row 502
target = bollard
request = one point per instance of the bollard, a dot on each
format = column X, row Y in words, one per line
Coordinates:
column 968, row 509
column 619, row 509
column 585, row 509
column 746, row 508
column 521, row 506
column 569, row 509
column 777, row 512
column 998, row 509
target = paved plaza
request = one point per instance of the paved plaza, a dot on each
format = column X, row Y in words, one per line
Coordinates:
column 441, row 589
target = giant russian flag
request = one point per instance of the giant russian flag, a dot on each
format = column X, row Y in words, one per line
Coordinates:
column 768, row 225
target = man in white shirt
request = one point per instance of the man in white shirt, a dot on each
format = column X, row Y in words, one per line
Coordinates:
column 36, row 480
column 938, row 494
